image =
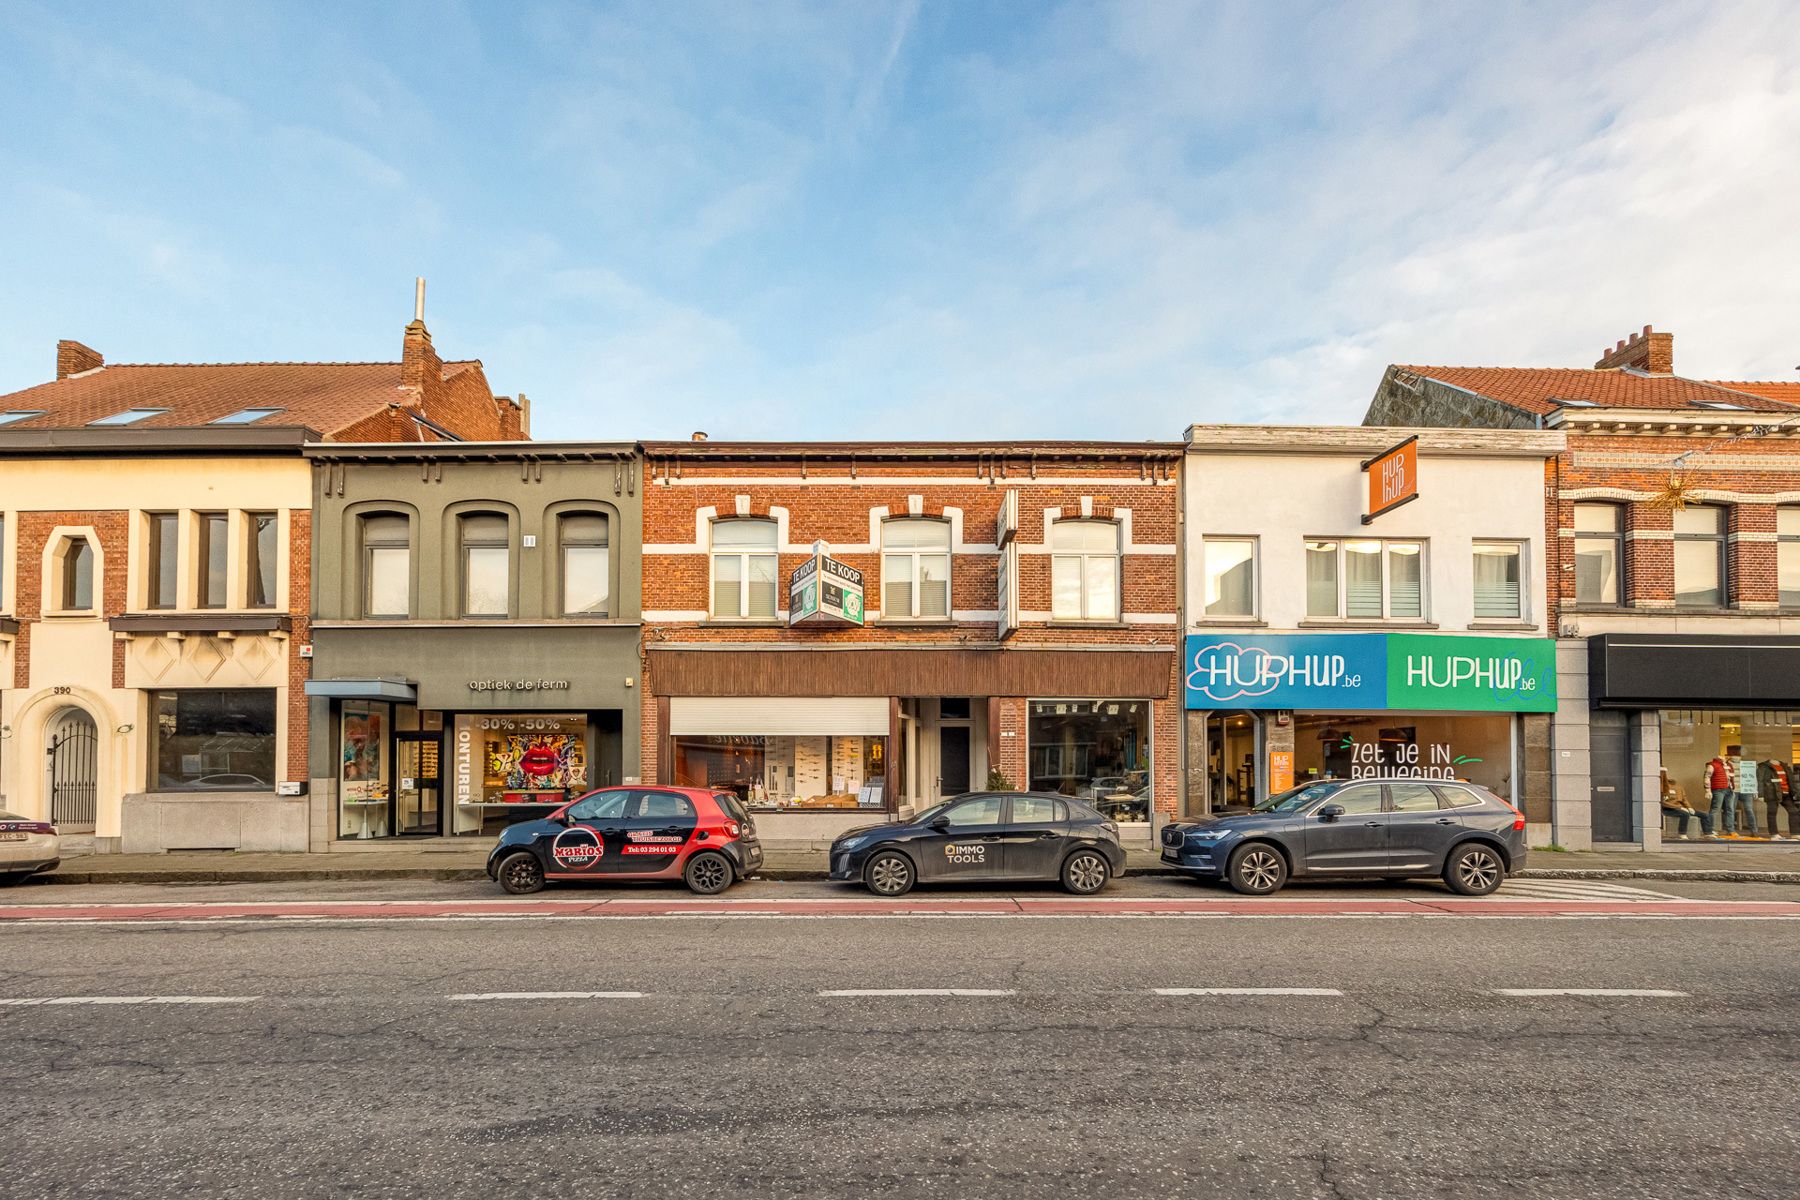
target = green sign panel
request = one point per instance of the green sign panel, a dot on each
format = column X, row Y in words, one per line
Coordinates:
column 1471, row 674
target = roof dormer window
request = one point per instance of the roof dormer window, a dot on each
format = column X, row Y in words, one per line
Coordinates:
column 1718, row 404
column 130, row 416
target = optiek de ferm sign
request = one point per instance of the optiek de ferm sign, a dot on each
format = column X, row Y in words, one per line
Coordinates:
column 1371, row 671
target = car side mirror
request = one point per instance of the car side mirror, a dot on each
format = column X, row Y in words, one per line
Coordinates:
column 940, row 822
column 1331, row 812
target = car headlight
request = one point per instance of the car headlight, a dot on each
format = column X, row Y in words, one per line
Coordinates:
column 1209, row 835
column 855, row 843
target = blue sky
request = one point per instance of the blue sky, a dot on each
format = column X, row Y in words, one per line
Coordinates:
column 903, row 220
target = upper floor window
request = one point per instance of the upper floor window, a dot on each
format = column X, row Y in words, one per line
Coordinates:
column 387, row 565
column 744, row 569
column 245, row 416
column 586, row 564
column 130, row 416
column 1599, row 553
column 165, row 559
column 486, row 564
column 1787, row 554
column 215, row 558
column 1230, row 576
column 1365, row 579
column 264, row 529
column 1084, row 571
column 1497, row 577
column 1700, row 557
column 915, row 568
column 75, row 570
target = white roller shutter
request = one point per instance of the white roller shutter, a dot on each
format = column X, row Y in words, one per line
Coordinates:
column 786, row 715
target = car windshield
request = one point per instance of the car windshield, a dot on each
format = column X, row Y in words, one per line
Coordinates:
column 934, row 811
column 1295, row 798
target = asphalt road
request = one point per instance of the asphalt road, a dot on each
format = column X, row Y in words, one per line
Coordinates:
column 338, row 1063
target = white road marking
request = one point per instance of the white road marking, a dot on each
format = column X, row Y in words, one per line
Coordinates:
column 1654, row 993
column 922, row 992
column 1575, row 889
column 1247, row 991
column 37, row 1001
column 548, row 996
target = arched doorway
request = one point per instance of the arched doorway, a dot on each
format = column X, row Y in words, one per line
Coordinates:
column 72, row 748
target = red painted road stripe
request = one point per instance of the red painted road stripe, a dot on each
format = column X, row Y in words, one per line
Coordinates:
column 615, row 907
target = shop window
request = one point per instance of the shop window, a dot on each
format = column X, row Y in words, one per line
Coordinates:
column 1365, row 579
column 744, row 570
column 915, row 568
column 486, row 564
column 1428, row 747
column 1787, row 554
column 1230, row 577
column 1599, row 553
column 586, row 564
column 1756, row 752
column 1497, row 578
column 164, row 551
column 387, row 565
column 75, row 575
column 809, row 771
column 1700, row 557
column 215, row 558
column 263, row 531
column 219, row 740
column 363, row 728
column 1084, row 571
column 519, row 759
column 1097, row 751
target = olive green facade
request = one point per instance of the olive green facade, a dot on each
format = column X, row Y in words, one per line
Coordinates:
column 449, row 678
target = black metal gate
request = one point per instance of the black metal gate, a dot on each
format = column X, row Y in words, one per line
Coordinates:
column 74, row 770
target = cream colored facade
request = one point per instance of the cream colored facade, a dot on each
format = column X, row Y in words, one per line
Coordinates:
column 60, row 664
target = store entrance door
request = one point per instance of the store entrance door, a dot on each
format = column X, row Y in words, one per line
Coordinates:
column 417, row 805
column 1609, row 759
column 1231, row 760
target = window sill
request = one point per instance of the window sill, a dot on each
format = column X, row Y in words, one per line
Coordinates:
column 1500, row 623
column 1070, row 623
column 912, row 623
column 1230, row 623
column 744, row 623
column 1336, row 623
column 71, row 614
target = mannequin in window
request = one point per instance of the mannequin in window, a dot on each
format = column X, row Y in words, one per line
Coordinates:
column 1745, row 780
column 1777, row 790
column 1718, row 779
column 1674, row 804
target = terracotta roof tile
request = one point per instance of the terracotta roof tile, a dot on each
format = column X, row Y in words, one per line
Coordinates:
column 1543, row 390
column 1788, row 393
column 322, row 396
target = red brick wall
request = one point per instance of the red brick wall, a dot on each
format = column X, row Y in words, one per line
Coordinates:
column 112, row 528
column 825, row 507
column 1743, row 475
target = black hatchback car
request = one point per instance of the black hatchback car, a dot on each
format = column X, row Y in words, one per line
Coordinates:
column 1393, row 828
column 981, row 837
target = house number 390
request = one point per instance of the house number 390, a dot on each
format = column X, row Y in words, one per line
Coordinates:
column 62, row 691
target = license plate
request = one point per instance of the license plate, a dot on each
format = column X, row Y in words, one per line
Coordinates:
column 13, row 837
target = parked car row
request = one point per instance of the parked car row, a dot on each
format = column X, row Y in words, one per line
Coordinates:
column 1389, row 828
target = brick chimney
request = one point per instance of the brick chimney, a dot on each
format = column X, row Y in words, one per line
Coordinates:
column 421, row 370
column 1649, row 351
column 72, row 358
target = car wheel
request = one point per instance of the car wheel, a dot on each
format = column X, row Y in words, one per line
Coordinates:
column 521, row 874
column 889, row 873
column 8, row 878
column 707, row 874
column 1085, row 872
column 1257, row 870
column 1474, row 869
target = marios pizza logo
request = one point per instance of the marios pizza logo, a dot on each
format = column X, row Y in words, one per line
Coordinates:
column 976, row 853
column 577, row 849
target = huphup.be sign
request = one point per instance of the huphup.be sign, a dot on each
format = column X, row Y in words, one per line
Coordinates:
column 823, row 591
column 1372, row 671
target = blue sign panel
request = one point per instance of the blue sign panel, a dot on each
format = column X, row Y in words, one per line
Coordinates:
column 1343, row 670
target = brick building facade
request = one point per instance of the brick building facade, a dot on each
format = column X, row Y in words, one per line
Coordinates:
column 1018, row 615
column 1673, row 581
column 155, row 581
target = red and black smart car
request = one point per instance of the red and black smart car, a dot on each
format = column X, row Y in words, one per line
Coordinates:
column 702, row 837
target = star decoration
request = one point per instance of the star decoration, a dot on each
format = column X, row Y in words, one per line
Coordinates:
column 1675, row 494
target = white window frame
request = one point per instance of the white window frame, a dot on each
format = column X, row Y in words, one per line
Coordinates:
column 1085, row 556
column 913, row 554
column 464, row 544
column 1387, row 578
column 743, row 554
column 1255, row 576
column 1784, row 541
column 1520, row 547
column 366, row 564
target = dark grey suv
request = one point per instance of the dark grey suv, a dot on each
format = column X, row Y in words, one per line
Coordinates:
column 1395, row 828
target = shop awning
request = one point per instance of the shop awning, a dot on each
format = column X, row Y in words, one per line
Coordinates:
column 364, row 689
column 1125, row 674
column 840, row 716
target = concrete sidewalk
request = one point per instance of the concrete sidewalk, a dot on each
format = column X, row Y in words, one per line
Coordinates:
column 1738, row 864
